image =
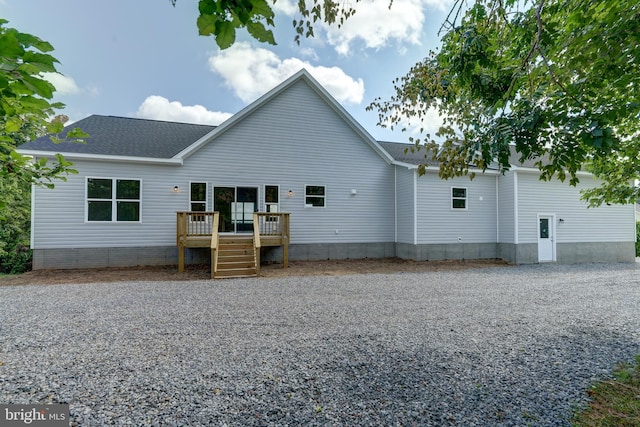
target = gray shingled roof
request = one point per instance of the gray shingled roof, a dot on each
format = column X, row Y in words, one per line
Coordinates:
column 514, row 159
column 397, row 151
column 123, row 136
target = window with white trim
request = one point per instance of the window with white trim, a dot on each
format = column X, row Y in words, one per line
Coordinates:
column 314, row 196
column 458, row 198
column 198, row 200
column 272, row 198
column 198, row 196
column 113, row 200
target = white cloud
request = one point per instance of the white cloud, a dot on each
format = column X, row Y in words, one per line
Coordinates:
column 288, row 7
column 64, row 85
column 160, row 108
column 375, row 24
column 251, row 72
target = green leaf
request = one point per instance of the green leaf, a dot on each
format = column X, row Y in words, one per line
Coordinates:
column 207, row 24
column 29, row 40
column 77, row 133
column 39, row 86
column 262, row 8
column 225, row 34
column 31, row 103
column 10, row 46
column 260, row 33
column 13, row 124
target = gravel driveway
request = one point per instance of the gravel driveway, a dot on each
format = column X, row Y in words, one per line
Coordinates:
column 485, row 347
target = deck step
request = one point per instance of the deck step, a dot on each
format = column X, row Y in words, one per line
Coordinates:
column 236, row 257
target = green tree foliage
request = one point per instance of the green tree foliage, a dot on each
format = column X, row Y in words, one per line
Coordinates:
column 15, row 255
column 557, row 79
column 221, row 18
column 25, row 108
column 25, row 113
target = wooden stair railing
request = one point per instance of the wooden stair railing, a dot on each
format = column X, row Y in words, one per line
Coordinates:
column 256, row 241
column 231, row 255
column 214, row 244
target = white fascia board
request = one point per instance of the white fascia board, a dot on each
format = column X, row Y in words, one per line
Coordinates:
column 405, row 165
column 536, row 170
column 433, row 169
column 102, row 157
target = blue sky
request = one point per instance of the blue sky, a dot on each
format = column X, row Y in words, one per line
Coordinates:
column 144, row 58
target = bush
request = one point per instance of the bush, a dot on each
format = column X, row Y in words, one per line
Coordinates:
column 15, row 221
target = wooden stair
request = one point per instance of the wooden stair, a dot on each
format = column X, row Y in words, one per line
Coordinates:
column 236, row 257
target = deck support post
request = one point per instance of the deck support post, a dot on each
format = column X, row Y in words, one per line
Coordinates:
column 181, row 258
column 285, row 256
column 214, row 262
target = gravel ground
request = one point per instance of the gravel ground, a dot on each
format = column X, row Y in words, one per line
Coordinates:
column 510, row 346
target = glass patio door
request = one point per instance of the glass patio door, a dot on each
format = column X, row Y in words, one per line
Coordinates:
column 236, row 206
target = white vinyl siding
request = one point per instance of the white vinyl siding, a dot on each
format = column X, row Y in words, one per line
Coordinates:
column 330, row 154
column 580, row 223
column 405, row 201
column 506, row 208
column 294, row 140
column 439, row 223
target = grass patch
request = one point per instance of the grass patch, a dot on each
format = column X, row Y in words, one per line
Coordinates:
column 614, row 402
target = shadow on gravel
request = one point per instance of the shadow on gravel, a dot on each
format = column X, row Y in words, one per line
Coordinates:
column 368, row 383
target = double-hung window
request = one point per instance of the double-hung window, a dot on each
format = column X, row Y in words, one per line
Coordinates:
column 314, row 196
column 113, row 200
column 458, row 198
column 272, row 198
column 198, row 200
column 198, row 196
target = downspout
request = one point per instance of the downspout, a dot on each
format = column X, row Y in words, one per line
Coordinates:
column 516, row 225
column 32, row 239
column 497, row 209
column 415, row 207
column 395, row 203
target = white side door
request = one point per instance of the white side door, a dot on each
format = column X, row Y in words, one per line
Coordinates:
column 546, row 238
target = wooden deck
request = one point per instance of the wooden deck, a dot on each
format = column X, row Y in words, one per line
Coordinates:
column 200, row 230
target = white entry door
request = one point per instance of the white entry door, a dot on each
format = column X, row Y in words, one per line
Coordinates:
column 546, row 238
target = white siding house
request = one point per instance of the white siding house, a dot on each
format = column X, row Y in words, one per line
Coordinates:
column 297, row 150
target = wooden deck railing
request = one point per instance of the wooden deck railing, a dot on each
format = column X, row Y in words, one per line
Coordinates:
column 194, row 224
column 199, row 230
column 195, row 230
column 256, row 240
column 274, row 230
column 214, row 245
